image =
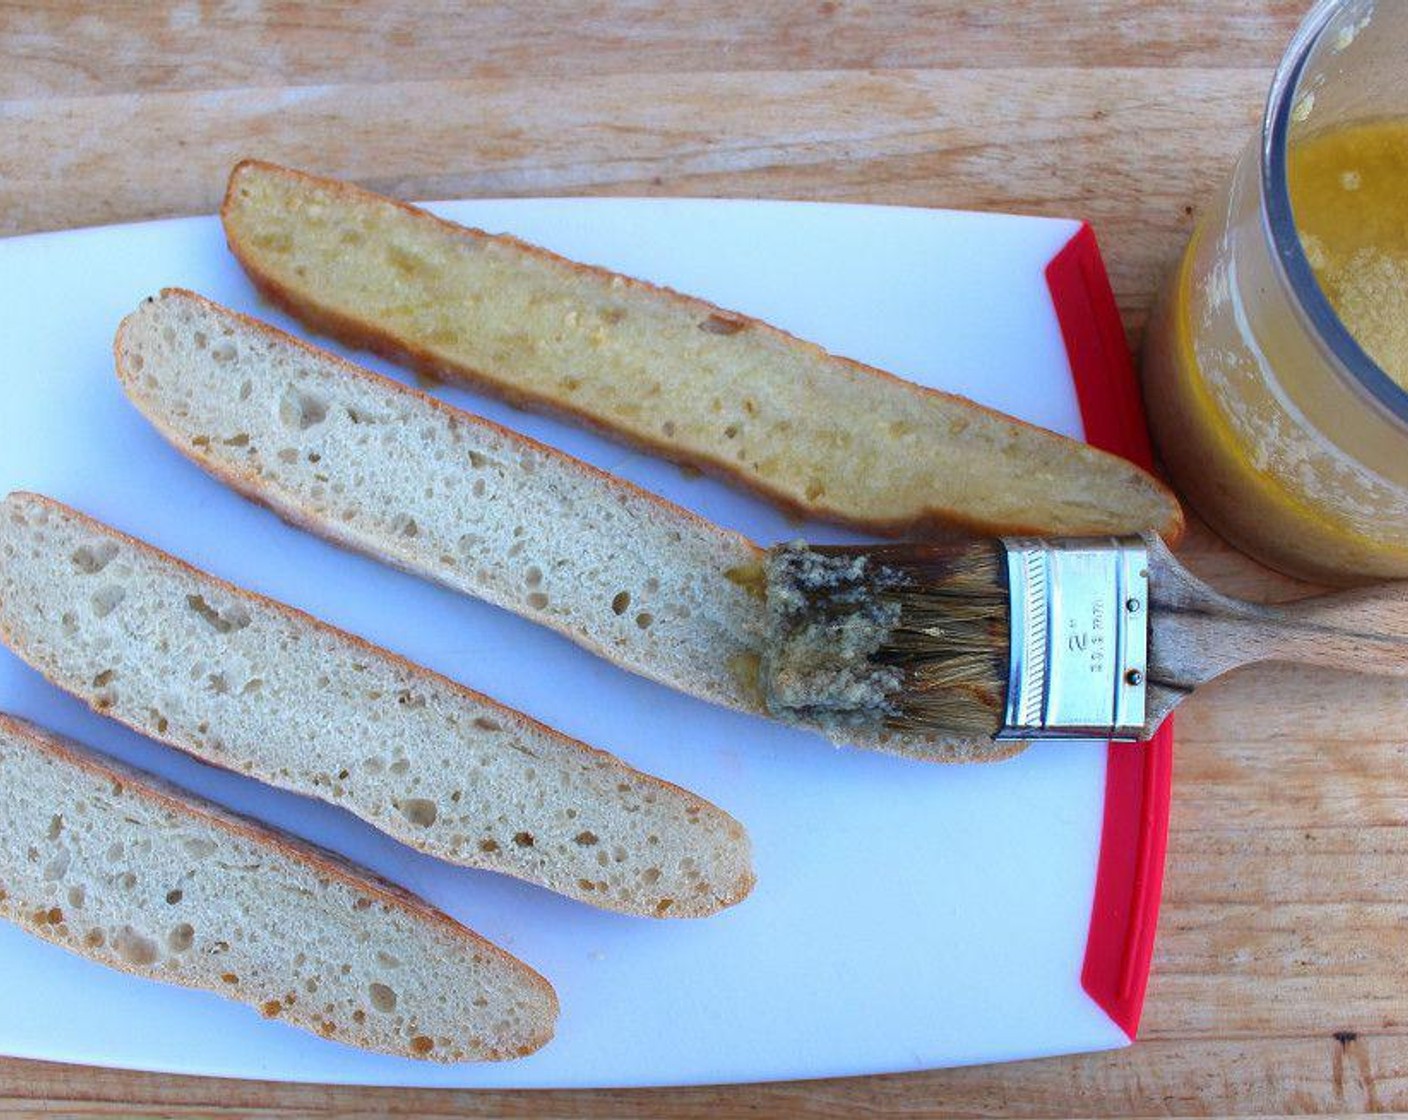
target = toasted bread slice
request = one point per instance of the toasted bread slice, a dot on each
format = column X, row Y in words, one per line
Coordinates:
column 816, row 433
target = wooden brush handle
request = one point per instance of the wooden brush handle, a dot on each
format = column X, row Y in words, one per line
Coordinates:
column 1196, row 633
column 1365, row 631
column 1194, row 639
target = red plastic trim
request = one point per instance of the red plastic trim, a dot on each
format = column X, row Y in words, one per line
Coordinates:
column 1138, row 777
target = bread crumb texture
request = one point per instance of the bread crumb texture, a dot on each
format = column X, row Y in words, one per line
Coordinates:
column 247, row 684
column 149, row 881
column 393, row 473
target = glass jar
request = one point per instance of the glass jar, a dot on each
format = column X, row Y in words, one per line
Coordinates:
column 1272, row 419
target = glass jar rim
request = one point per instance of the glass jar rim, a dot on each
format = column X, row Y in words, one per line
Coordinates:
column 1349, row 357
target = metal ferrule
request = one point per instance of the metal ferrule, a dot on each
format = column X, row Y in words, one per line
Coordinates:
column 1080, row 638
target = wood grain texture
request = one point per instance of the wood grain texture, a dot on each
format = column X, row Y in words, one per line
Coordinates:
column 1197, row 634
column 61, row 49
column 1278, row 977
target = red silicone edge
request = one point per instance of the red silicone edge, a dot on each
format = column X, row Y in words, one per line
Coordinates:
column 1138, row 777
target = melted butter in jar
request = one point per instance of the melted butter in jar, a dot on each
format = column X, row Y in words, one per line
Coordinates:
column 1268, row 440
column 1349, row 191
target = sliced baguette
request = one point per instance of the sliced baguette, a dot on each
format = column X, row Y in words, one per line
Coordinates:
column 389, row 471
column 140, row 876
column 254, row 686
column 819, row 434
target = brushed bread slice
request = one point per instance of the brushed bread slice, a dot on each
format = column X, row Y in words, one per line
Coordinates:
column 389, row 471
column 140, row 876
column 255, row 686
column 710, row 388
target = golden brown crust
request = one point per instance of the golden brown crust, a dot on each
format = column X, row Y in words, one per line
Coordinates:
column 358, row 333
column 323, row 861
column 301, row 618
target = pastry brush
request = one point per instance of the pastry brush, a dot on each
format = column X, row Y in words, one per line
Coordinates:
column 1034, row 639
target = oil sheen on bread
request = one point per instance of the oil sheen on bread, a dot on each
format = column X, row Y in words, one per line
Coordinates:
column 818, row 434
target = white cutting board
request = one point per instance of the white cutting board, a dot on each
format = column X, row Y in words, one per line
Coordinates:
column 906, row 915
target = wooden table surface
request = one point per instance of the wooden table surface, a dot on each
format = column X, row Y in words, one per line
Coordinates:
column 1278, row 977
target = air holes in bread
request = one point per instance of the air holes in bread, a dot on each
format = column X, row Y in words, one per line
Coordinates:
column 107, row 599
column 383, row 998
column 198, row 847
column 302, row 410
column 234, row 617
column 91, row 559
column 57, row 867
column 419, row 811
column 133, row 948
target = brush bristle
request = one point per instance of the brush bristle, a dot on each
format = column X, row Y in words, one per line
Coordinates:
column 912, row 637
